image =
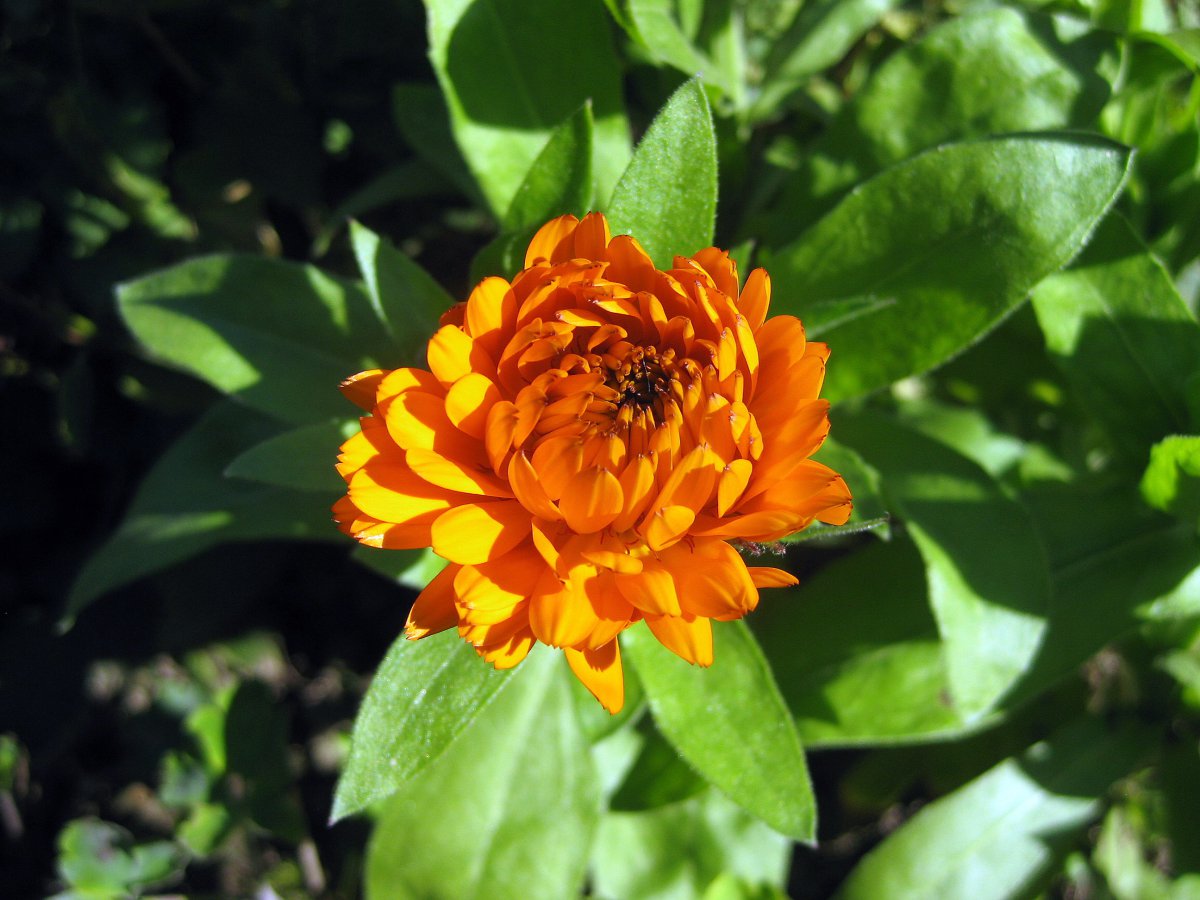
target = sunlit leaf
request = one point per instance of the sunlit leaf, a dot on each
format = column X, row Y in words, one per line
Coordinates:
column 425, row 694
column 944, row 245
column 508, row 812
column 667, row 198
column 731, row 725
column 511, row 71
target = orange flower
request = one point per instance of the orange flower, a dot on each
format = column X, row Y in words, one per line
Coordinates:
column 584, row 445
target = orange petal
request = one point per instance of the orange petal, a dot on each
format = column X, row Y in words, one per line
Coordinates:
column 637, row 486
column 756, row 298
column 560, row 614
column 601, row 673
column 591, row 500
column 689, row 637
column 667, row 526
column 547, row 239
column 452, row 354
column 486, row 307
column 721, row 267
column 407, row 379
column 390, row 492
column 499, row 584
column 528, row 489
column 652, row 590
column 592, row 236
column 509, row 653
column 766, row 576
column 360, row 389
column 498, row 434
column 434, row 609
column 557, row 460
column 732, row 484
column 468, row 478
column 477, row 532
column 469, row 401
column 359, row 449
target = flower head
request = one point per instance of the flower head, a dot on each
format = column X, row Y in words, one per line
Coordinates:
column 584, row 445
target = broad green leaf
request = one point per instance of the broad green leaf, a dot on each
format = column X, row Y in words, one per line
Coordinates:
column 944, row 246
column 301, row 459
column 987, row 72
column 667, row 198
column 508, row 813
column 511, row 71
column 821, row 34
column 656, row 27
column 855, row 651
column 1114, row 563
column 185, row 505
column 277, row 335
column 560, row 179
column 677, row 851
column 1001, row 833
column 406, row 299
column 423, row 697
column 990, row 607
column 1124, row 338
column 730, row 724
column 1172, row 480
column 658, row 776
column 421, row 116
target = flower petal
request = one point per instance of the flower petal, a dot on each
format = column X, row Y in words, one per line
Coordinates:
column 469, row 401
column 591, row 500
column 454, row 475
column 360, row 389
column 689, row 637
column 476, row 532
column 434, row 608
column 601, row 673
column 766, row 576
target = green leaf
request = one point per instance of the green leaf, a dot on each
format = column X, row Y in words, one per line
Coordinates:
column 540, row 64
column 821, row 35
column 667, row 198
column 1123, row 336
column 277, row 335
column 1172, row 480
column 855, row 651
column 990, row 607
column 411, row 568
column 424, row 695
column 508, row 812
column 420, row 113
column 256, row 750
column 656, row 27
column 988, row 72
column 658, row 776
column 1114, row 563
column 1001, row 833
column 731, row 725
column 185, row 505
column 98, row 859
column 560, row 179
column 406, row 299
column 943, row 246
column 679, row 850
column 301, row 459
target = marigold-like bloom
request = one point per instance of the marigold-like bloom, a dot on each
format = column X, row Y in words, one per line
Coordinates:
column 585, row 444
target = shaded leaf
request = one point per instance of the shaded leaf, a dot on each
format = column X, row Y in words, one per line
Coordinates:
column 407, row 300
column 301, row 459
column 990, row 607
column 667, row 198
column 277, row 335
column 731, row 725
column 998, row 835
column 855, row 651
column 1123, row 336
column 949, row 243
column 1172, row 480
column 185, row 505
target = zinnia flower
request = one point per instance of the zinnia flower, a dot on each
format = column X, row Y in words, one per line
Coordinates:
column 583, row 447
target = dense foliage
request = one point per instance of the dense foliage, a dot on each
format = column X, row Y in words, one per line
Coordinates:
column 986, row 685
